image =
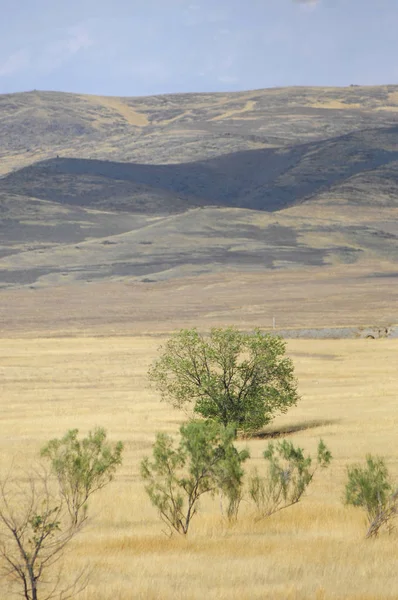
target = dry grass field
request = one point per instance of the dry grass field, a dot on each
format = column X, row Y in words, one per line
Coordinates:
column 314, row 550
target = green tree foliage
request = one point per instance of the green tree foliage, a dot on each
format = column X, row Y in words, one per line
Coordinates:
column 82, row 466
column 230, row 376
column 289, row 474
column 370, row 488
column 205, row 461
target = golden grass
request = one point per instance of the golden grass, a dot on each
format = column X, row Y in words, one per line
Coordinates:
column 249, row 106
column 335, row 105
column 314, row 550
column 133, row 117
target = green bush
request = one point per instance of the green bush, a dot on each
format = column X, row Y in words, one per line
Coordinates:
column 288, row 476
column 205, row 461
column 370, row 488
column 82, row 466
column 40, row 516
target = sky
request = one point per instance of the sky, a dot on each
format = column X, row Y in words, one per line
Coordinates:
column 143, row 47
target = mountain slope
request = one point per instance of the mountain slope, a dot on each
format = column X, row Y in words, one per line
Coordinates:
column 185, row 127
column 166, row 187
column 269, row 179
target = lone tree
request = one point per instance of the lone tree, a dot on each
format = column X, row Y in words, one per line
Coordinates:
column 237, row 378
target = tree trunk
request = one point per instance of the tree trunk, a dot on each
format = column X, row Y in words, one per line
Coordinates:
column 33, row 583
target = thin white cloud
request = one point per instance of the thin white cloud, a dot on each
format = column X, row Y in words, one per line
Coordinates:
column 308, row 5
column 79, row 39
column 14, row 63
column 228, row 79
column 47, row 57
column 75, row 39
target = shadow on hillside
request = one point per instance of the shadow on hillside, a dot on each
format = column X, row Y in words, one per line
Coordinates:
column 262, row 179
column 283, row 430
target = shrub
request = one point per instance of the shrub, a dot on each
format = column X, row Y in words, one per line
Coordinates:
column 205, row 461
column 40, row 516
column 370, row 488
column 289, row 474
column 82, row 466
column 35, row 529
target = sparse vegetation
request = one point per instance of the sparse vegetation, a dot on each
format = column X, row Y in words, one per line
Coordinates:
column 38, row 517
column 370, row 488
column 289, row 554
column 35, row 529
column 289, row 474
column 205, row 461
column 243, row 379
column 297, row 228
column 82, row 467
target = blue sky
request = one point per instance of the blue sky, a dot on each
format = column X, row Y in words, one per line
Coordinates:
column 139, row 47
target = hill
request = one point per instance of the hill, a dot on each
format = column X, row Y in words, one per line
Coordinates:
column 146, row 190
column 184, row 127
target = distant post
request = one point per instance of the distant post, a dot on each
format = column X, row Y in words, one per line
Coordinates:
column 273, row 322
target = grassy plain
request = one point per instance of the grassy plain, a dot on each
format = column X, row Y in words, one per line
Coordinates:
column 314, row 550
